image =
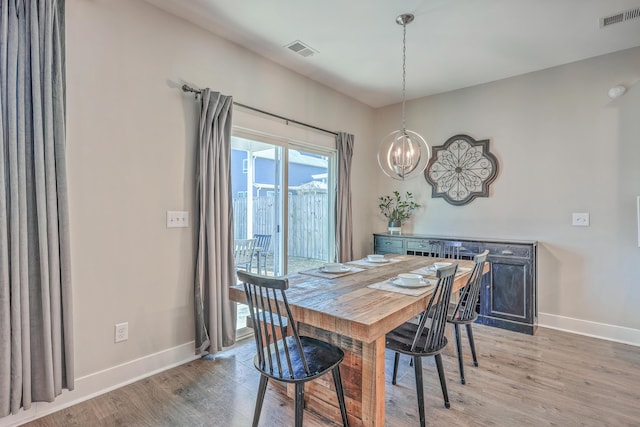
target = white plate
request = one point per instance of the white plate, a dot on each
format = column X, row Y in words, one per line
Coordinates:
column 422, row 284
column 343, row 269
column 378, row 261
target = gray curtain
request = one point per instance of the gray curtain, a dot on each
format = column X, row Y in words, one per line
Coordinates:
column 36, row 334
column 344, row 226
column 215, row 313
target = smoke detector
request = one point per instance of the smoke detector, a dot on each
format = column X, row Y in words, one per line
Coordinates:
column 617, row 91
column 301, row 48
column 619, row 17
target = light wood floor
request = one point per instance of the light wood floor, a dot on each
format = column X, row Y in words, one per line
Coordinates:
column 550, row 379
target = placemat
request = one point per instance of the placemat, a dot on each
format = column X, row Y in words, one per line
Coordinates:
column 365, row 263
column 388, row 286
column 317, row 272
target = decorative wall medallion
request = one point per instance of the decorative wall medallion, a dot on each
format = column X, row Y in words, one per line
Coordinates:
column 461, row 170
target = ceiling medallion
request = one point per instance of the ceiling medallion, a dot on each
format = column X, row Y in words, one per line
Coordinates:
column 461, row 170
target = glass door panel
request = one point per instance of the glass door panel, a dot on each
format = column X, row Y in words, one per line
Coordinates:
column 309, row 212
column 256, row 173
column 256, row 170
column 263, row 171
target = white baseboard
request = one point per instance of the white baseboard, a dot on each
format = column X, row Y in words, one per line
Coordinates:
column 101, row 382
column 619, row 334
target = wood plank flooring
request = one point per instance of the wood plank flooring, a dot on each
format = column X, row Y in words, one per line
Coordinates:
column 550, row 379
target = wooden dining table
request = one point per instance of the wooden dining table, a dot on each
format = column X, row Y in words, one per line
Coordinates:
column 345, row 310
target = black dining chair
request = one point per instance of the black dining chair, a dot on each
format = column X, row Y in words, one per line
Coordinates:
column 293, row 358
column 418, row 340
column 464, row 311
column 449, row 249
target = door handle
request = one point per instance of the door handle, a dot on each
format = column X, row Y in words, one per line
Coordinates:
column 507, row 252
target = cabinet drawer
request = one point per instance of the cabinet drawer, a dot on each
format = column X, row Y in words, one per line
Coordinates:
column 519, row 251
column 423, row 245
column 388, row 244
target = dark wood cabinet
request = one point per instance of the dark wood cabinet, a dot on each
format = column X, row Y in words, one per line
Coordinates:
column 509, row 293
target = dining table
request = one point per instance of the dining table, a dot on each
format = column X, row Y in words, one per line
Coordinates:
column 354, row 308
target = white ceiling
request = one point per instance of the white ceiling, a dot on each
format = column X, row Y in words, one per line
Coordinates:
column 451, row 44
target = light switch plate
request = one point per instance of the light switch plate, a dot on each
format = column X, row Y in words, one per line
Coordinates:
column 638, row 215
column 580, row 220
column 177, row 219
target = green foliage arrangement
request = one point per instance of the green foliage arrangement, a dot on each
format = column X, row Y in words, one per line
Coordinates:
column 397, row 208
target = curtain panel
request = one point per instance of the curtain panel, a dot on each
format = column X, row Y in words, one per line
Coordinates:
column 344, row 223
column 36, row 334
column 215, row 314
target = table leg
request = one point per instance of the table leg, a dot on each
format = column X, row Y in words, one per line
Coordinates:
column 373, row 383
column 363, row 380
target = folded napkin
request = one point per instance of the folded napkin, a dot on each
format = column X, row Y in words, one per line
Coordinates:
column 319, row 272
column 388, row 285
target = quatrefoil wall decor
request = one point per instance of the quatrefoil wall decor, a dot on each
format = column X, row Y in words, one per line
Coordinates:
column 461, row 170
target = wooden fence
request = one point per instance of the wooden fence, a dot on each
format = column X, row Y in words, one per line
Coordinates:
column 308, row 223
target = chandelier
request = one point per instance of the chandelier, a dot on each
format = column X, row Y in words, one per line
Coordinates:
column 403, row 154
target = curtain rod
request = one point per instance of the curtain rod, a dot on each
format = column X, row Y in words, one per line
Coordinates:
column 187, row 88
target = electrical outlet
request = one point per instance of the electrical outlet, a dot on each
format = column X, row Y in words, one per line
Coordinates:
column 177, row 219
column 122, row 331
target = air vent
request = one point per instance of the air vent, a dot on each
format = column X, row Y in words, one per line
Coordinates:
column 620, row 17
column 301, row 48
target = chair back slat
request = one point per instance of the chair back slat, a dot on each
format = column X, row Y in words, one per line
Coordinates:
column 466, row 307
column 243, row 252
column 436, row 311
column 272, row 323
column 266, row 298
column 262, row 241
column 450, row 249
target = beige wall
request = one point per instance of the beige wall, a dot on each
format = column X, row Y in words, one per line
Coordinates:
column 131, row 137
column 563, row 146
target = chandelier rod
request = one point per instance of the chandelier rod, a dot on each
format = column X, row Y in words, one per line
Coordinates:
column 404, row 72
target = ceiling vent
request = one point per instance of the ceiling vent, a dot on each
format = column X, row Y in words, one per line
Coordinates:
column 301, row 48
column 620, row 17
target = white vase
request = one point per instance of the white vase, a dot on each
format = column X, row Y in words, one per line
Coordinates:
column 395, row 227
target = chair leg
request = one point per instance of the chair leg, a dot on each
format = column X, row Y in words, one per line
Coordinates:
column 456, row 331
column 472, row 344
column 443, row 381
column 262, row 388
column 337, row 381
column 298, row 404
column 417, row 365
column 396, row 359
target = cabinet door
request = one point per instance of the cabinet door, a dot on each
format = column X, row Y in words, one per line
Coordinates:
column 507, row 290
column 388, row 245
